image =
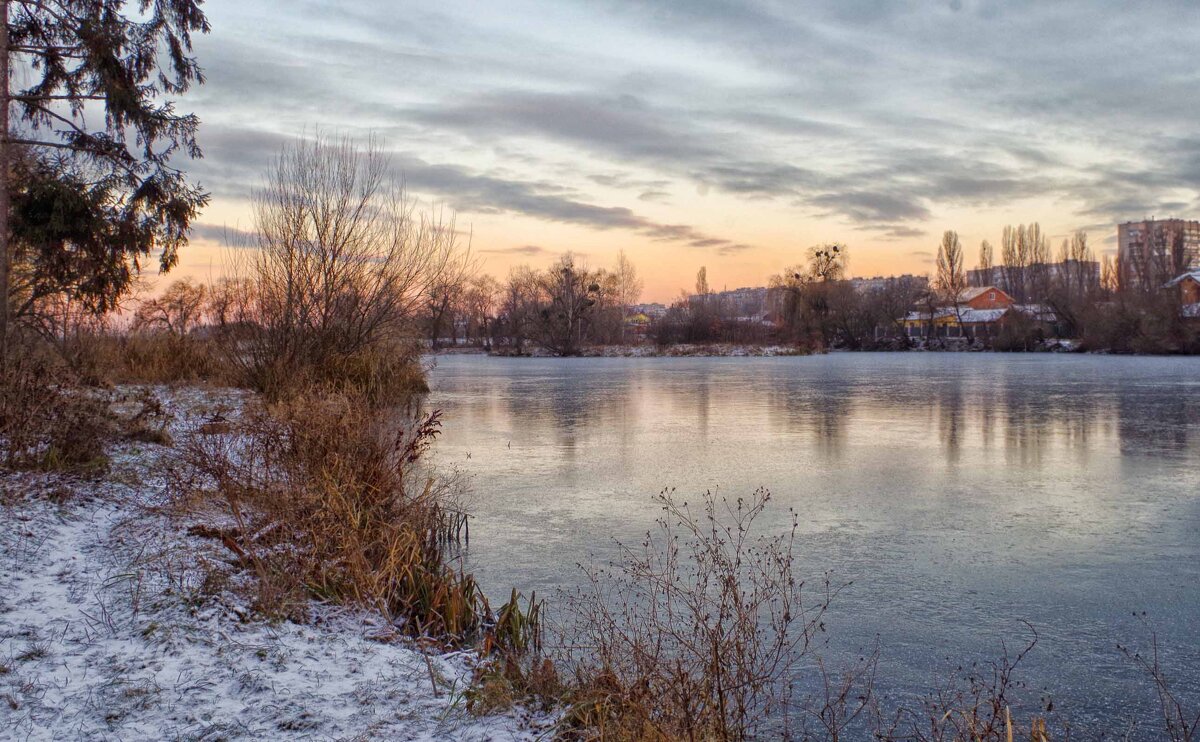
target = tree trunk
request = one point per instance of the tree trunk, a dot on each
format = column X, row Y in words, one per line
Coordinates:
column 4, row 176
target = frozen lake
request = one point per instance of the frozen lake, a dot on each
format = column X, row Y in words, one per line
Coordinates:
column 961, row 493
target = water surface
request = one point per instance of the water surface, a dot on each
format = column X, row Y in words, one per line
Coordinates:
column 960, row 493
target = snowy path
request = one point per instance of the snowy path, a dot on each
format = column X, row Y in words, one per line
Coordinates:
column 108, row 631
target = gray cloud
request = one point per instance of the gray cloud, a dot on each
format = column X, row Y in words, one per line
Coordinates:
column 470, row 192
column 223, row 234
column 895, row 231
column 527, row 250
column 235, row 158
column 624, row 181
column 877, row 114
column 873, row 206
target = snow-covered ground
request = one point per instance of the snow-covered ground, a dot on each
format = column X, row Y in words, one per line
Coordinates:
column 114, row 625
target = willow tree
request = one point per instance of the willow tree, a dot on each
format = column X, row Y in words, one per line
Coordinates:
column 97, row 128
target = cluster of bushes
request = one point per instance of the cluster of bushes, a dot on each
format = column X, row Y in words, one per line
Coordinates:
column 47, row 420
column 1141, row 324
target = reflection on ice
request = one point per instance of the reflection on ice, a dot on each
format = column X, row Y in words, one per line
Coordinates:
column 960, row 493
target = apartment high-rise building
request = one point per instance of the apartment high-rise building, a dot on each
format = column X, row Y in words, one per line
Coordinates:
column 1152, row 252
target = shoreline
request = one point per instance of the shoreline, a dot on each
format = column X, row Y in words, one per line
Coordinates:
column 731, row 350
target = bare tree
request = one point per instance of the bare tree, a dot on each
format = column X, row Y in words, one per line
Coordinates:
column 892, row 302
column 571, row 293
column 804, row 296
column 1110, row 275
column 702, row 289
column 479, row 300
column 178, row 311
column 986, row 260
column 828, row 262
column 628, row 287
column 951, row 280
column 439, row 303
column 343, row 261
column 1026, row 255
column 1012, row 252
column 520, row 306
column 1038, row 249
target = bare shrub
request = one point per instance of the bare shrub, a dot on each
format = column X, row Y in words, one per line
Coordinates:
column 697, row 634
column 975, row 705
column 342, row 265
column 1179, row 724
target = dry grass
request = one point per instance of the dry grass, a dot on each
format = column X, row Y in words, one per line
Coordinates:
column 328, row 500
column 146, row 357
column 384, row 373
column 47, row 420
column 515, row 671
column 164, row 358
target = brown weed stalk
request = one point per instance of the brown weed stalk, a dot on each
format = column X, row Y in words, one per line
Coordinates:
column 326, row 499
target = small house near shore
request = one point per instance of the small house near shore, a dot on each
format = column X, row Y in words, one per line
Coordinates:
column 1188, row 286
column 978, row 312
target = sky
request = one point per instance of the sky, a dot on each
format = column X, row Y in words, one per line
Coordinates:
column 730, row 135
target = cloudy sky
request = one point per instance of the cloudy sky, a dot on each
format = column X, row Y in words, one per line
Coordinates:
column 725, row 134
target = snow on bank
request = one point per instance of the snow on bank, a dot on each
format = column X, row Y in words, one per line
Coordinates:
column 111, row 626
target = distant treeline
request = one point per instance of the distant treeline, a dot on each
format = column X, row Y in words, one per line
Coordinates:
column 1103, row 305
